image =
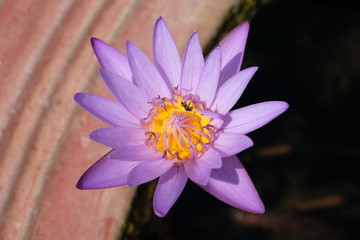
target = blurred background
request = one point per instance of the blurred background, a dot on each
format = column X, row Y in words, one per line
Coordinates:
column 304, row 163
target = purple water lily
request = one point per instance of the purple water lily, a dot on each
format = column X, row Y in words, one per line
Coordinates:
column 172, row 120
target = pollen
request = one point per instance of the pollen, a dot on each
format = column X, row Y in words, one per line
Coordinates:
column 176, row 128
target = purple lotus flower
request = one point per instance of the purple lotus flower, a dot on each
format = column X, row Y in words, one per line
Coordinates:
column 173, row 121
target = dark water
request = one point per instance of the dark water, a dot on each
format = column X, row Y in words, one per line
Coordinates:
column 303, row 163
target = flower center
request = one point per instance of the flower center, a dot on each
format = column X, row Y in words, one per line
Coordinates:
column 175, row 127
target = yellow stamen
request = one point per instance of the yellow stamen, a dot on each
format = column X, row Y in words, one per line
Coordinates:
column 176, row 129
